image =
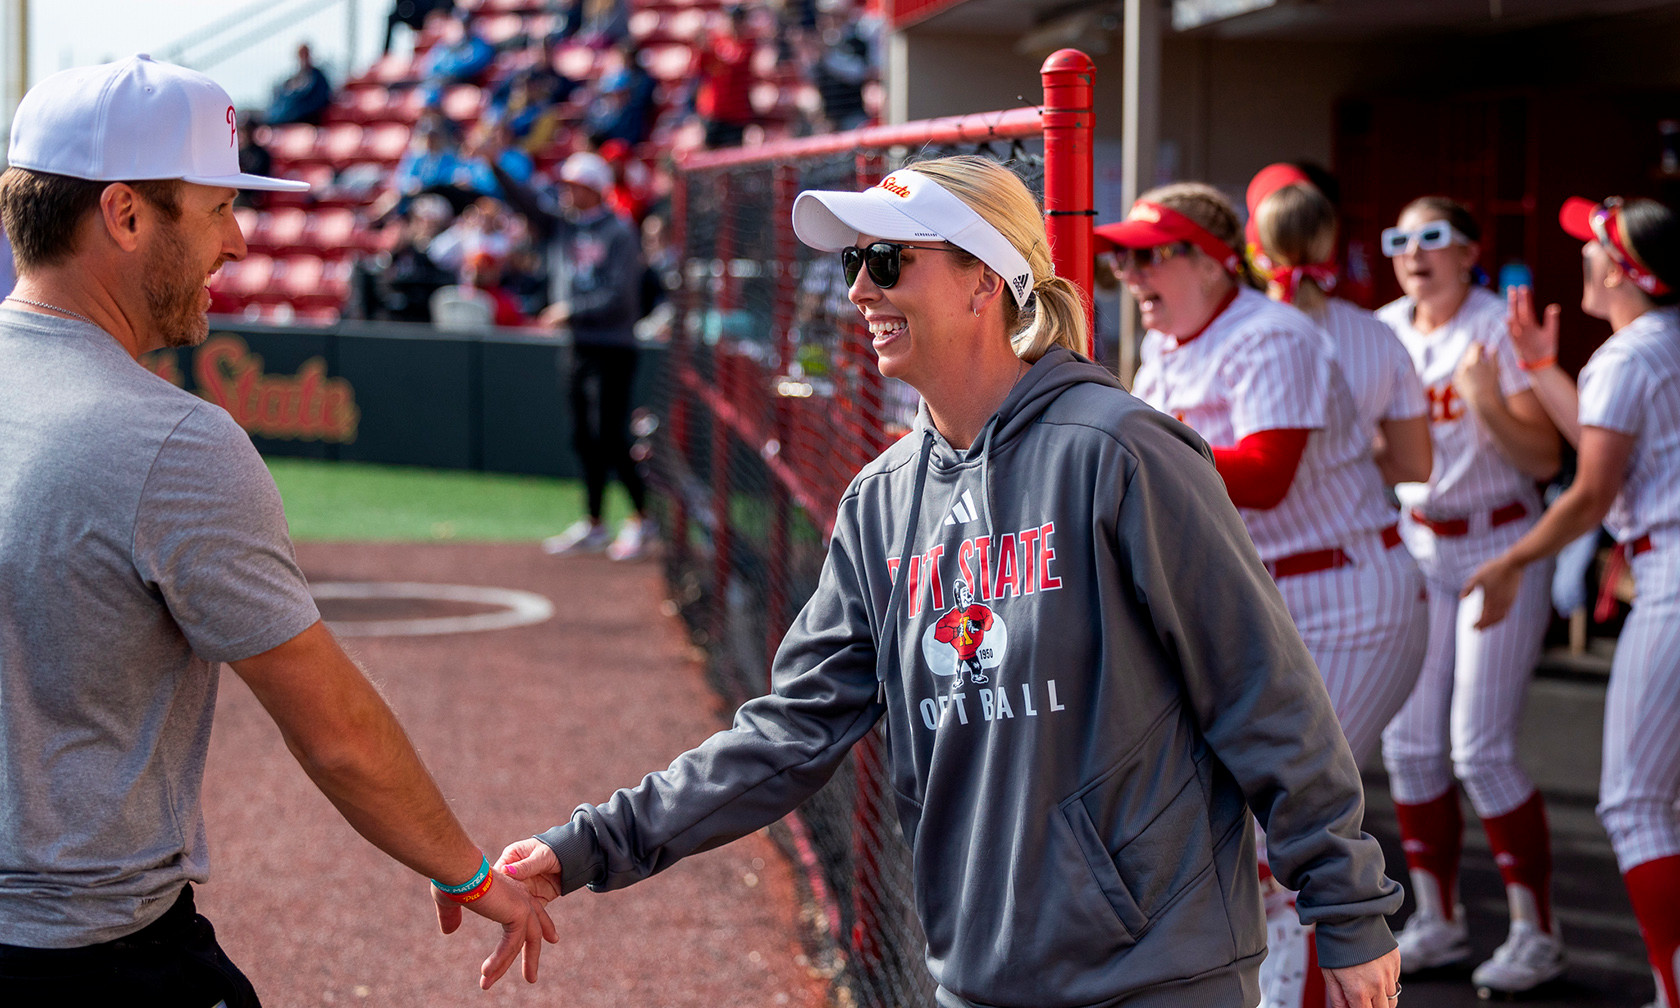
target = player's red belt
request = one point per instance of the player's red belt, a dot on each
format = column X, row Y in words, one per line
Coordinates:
column 1313, row 561
column 1605, row 607
column 1505, row 514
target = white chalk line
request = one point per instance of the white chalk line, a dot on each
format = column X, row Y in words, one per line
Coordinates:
column 514, row 608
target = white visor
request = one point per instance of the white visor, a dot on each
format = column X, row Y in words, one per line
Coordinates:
column 908, row 206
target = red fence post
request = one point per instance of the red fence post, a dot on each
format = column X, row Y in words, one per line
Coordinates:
column 1069, row 149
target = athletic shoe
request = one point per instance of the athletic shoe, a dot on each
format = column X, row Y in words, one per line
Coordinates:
column 1529, row 958
column 581, row 537
column 1429, row 942
column 631, row 541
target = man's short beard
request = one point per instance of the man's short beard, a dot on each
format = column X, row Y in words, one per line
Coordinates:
column 173, row 297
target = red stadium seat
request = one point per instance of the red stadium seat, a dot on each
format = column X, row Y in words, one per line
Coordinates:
column 285, row 229
column 463, row 103
column 292, row 144
column 669, row 62
column 246, row 280
column 339, row 143
column 498, row 28
column 385, row 143
column 331, row 232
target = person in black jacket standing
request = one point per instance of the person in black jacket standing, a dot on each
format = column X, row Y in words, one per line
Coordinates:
column 595, row 277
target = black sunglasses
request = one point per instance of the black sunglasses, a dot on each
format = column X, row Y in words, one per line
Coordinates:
column 881, row 259
column 1150, row 257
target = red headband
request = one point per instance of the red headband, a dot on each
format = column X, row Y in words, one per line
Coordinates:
column 1151, row 224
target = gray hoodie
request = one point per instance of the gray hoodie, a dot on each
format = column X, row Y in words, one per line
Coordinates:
column 1088, row 679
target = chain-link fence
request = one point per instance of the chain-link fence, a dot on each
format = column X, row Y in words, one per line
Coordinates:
column 768, row 404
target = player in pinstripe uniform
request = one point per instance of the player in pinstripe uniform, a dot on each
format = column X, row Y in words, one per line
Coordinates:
column 1625, row 421
column 1221, row 357
column 1492, row 442
column 1292, row 232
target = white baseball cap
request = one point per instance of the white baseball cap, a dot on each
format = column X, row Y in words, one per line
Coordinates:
column 908, row 206
column 588, row 170
column 135, row 119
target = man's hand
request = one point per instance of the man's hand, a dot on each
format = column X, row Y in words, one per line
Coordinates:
column 525, row 926
column 1367, row 985
column 533, row 863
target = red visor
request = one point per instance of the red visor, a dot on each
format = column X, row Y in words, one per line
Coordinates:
column 1267, row 181
column 1151, row 224
column 1602, row 222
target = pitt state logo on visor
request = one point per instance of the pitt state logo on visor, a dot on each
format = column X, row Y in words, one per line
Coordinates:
column 1145, row 212
column 893, row 185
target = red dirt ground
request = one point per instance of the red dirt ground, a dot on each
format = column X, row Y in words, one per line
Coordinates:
column 519, row 726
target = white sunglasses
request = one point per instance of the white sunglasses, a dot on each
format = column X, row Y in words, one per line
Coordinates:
column 1432, row 236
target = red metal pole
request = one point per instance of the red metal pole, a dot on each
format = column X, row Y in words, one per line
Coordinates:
column 1069, row 150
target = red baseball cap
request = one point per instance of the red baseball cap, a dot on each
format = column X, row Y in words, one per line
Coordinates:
column 1585, row 220
column 1151, row 224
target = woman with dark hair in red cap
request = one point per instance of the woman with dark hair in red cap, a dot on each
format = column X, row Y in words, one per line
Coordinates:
column 1258, row 380
column 1624, row 419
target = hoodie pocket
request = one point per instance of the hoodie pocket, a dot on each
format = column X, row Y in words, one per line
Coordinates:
column 1142, row 867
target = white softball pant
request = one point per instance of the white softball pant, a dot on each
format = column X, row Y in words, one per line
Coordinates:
column 1641, row 778
column 1366, row 626
column 1463, row 717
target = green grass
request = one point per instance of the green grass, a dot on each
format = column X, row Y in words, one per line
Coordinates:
column 354, row 501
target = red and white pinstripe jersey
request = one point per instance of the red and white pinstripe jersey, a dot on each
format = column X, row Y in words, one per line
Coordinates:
column 1470, row 474
column 1263, row 366
column 1632, row 385
column 1375, row 363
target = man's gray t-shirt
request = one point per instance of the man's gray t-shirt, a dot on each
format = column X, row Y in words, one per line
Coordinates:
column 142, row 542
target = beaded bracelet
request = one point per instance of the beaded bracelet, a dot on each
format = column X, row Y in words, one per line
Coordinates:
column 471, row 889
column 1543, row 362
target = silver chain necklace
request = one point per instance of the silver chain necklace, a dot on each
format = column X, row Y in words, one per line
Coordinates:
column 48, row 307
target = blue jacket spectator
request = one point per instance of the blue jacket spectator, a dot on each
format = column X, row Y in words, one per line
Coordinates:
column 460, row 57
column 304, row 96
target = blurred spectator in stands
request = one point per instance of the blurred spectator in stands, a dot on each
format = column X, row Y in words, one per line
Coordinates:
column 606, row 23
column 412, row 13
column 494, row 139
column 304, row 96
column 628, row 196
column 623, row 107
column 567, row 18
column 483, row 272
column 723, row 79
column 397, row 285
column 459, row 57
column 529, row 96
column 485, row 226
column 595, row 290
column 844, row 67
column 254, row 159
column 430, row 165
column 796, row 21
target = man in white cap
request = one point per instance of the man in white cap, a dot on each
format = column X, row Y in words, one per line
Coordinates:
column 142, row 543
column 594, row 291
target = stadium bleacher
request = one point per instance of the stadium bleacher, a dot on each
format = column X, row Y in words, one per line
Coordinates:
column 302, row 245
